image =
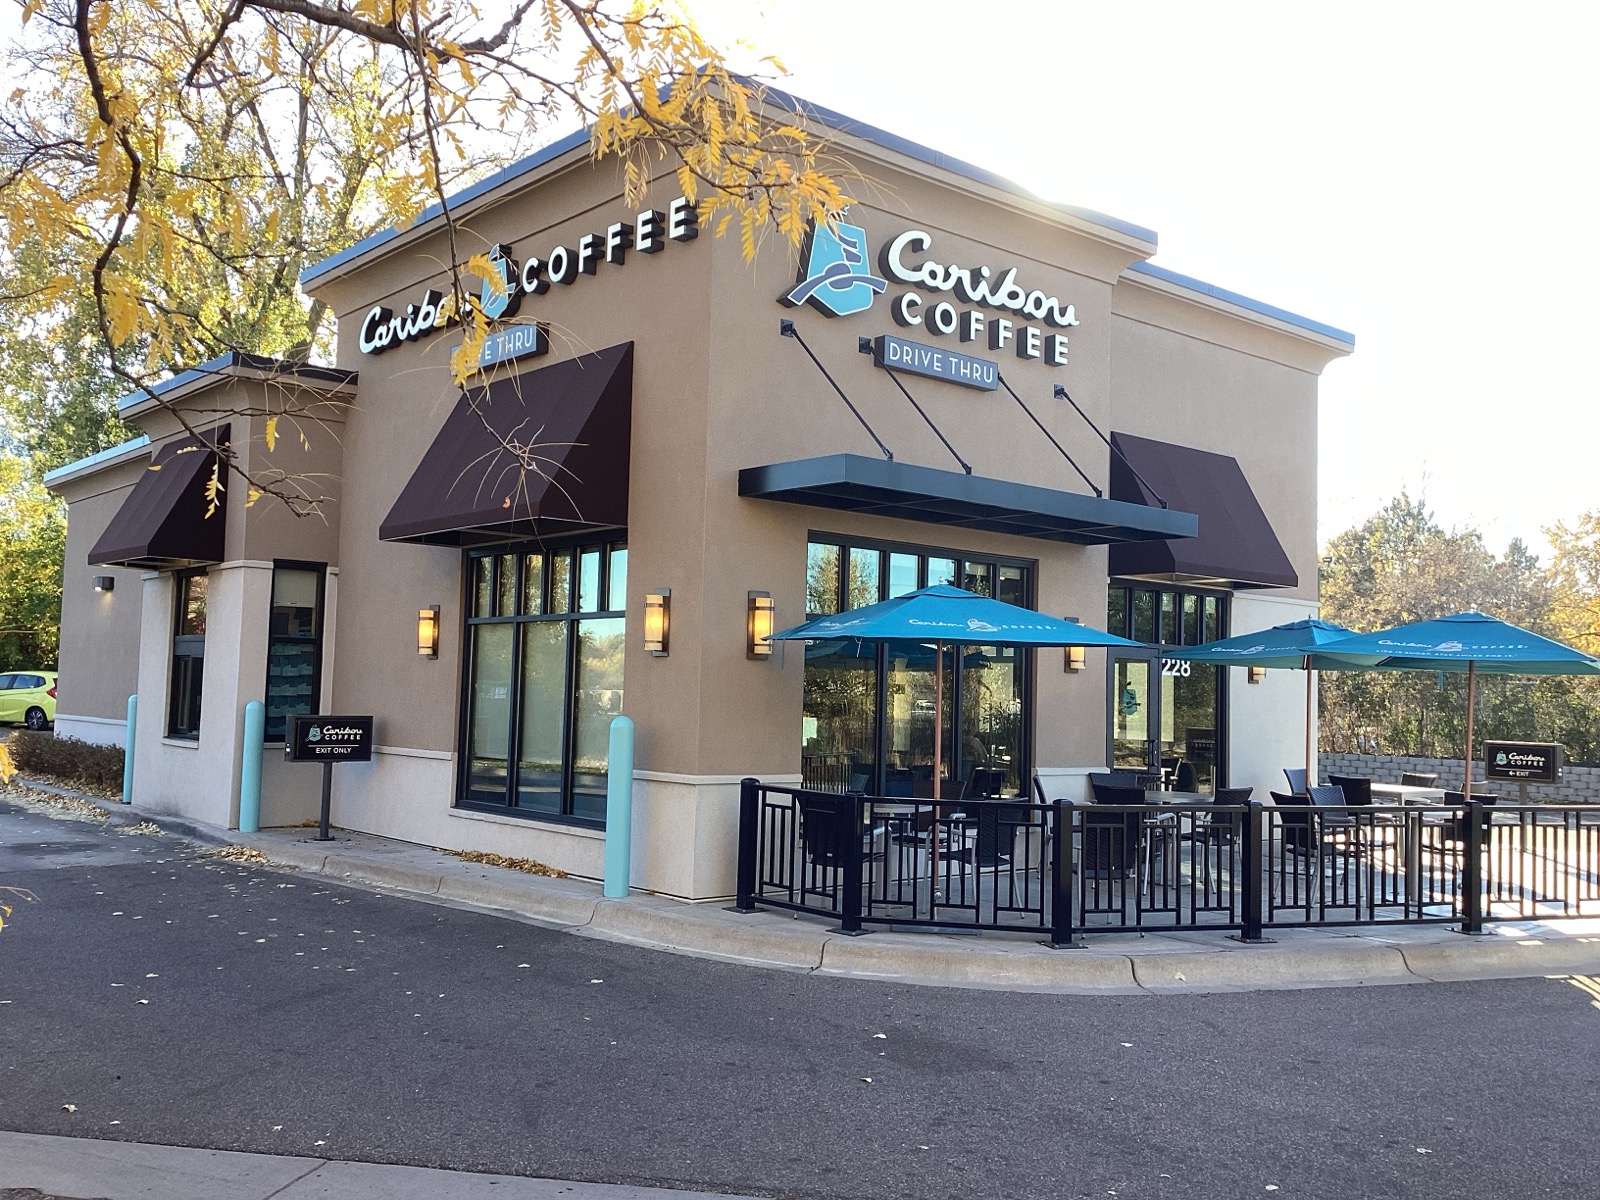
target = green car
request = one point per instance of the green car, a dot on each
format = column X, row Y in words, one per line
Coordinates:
column 28, row 698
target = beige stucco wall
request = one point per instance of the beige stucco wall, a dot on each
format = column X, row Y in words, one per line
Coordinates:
column 99, row 657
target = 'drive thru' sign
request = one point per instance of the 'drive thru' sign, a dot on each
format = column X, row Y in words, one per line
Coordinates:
column 329, row 739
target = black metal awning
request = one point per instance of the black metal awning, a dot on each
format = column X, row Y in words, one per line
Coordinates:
column 575, row 418
column 883, row 488
column 163, row 522
column 1236, row 544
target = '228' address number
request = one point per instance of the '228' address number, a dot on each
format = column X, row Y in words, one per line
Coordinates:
column 1177, row 667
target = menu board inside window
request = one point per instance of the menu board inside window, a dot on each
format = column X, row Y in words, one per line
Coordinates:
column 294, row 643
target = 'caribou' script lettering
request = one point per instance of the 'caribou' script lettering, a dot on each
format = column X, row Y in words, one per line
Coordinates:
column 972, row 284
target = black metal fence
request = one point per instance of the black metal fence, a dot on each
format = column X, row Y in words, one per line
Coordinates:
column 1065, row 869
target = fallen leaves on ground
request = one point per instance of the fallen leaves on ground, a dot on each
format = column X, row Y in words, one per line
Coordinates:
column 144, row 829
column 239, row 854
column 490, row 859
column 69, row 806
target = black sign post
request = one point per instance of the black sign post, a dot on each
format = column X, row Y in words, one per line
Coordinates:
column 328, row 740
column 1523, row 762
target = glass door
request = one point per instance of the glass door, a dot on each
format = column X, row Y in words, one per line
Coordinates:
column 1132, row 697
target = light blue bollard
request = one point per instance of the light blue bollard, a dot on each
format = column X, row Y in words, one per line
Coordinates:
column 619, row 808
column 255, row 732
column 127, row 750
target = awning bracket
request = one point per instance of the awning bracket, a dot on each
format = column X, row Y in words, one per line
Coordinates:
column 1061, row 394
column 864, row 344
column 1092, row 486
column 787, row 329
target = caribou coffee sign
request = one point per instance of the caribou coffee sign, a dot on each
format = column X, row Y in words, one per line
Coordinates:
column 648, row 233
column 948, row 301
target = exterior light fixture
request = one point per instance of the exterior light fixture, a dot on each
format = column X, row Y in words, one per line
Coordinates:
column 104, row 583
column 1076, row 657
column 428, row 632
column 1255, row 674
column 657, row 621
column 758, row 627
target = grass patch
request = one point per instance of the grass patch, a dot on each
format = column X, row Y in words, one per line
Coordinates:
column 69, row 761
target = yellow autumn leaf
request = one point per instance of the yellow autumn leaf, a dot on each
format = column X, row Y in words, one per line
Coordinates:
column 270, row 432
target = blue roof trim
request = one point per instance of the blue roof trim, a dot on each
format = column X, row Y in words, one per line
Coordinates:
column 235, row 358
column 1257, row 306
column 516, row 170
column 89, row 461
column 823, row 116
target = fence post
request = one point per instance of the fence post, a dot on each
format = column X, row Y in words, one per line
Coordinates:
column 1062, row 935
column 619, row 808
column 250, row 751
column 1252, row 861
column 1472, row 870
column 127, row 750
column 850, row 869
column 744, row 898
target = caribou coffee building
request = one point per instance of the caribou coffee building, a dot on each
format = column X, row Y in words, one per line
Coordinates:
column 665, row 453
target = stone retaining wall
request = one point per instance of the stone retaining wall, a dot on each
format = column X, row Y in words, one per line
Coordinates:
column 1579, row 785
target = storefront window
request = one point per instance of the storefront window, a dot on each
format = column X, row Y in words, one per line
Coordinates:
column 869, row 711
column 188, row 656
column 1166, row 714
column 544, row 679
column 294, row 646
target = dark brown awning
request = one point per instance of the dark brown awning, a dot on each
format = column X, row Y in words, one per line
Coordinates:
column 577, row 416
column 163, row 521
column 1236, row 544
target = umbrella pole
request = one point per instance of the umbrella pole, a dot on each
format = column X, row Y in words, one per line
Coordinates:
column 1466, row 782
column 1308, row 721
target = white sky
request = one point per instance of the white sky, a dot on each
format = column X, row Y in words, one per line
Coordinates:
column 1420, row 174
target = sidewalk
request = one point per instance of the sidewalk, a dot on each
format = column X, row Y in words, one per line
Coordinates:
column 81, row 1169
column 1109, row 964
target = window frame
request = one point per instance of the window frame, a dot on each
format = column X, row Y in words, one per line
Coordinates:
column 1130, row 586
column 926, row 555
column 181, row 647
column 607, row 541
column 321, row 569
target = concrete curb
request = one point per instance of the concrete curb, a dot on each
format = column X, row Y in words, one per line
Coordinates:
column 1110, row 965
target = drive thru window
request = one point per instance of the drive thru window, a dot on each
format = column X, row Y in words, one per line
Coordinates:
column 543, row 678
column 188, row 655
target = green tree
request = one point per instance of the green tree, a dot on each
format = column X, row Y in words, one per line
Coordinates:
column 1400, row 566
column 33, row 536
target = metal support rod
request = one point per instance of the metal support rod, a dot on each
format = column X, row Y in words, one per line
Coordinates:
column 865, row 346
column 1049, row 435
column 619, row 808
column 1466, row 780
column 744, row 895
column 1062, row 394
column 787, row 329
column 255, row 729
column 327, row 803
column 127, row 749
column 1472, row 869
column 850, row 877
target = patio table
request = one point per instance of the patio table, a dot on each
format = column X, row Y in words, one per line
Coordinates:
column 1405, row 793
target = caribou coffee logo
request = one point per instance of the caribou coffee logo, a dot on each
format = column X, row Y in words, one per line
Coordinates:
column 836, row 280
column 648, row 233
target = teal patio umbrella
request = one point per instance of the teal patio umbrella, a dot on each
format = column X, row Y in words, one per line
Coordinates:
column 939, row 615
column 1470, row 642
column 1296, row 646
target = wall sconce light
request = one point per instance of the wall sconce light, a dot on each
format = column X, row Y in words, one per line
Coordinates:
column 104, row 583
column 1255, row 674
column 428, row 632
column 758, row 631
column 1076, row 657
column 657, row 621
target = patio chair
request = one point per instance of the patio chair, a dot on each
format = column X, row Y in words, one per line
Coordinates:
column 1419, row 779
column 1358, row 794
column 1219, row 830
column 1454, row 824
column 1187, row 781
column 1297, row 780
column 1113, row 779
column 1111, row 841
column 826, row 840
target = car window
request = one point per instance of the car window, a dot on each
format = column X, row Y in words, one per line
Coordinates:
column 30, row 681
column 5, row 681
